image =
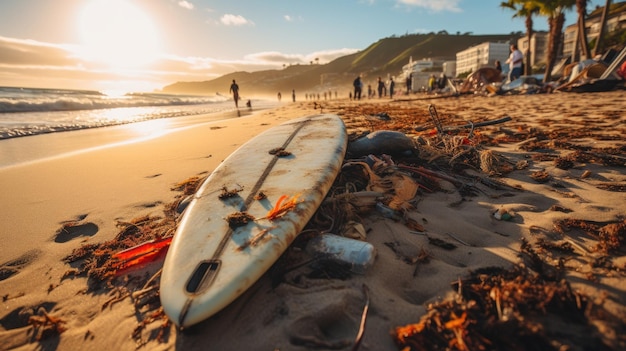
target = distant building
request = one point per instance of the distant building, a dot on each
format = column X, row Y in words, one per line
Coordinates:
column 481, row 55
column 420, row 71
column 421, row 65
column 616, row 21
column 538, row 47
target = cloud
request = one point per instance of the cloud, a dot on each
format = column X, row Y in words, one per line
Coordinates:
column 186, row 4
column 278, row 58
column 288, row 18
column 235, row 20
column 434, row 5
column 34, row 53
column 28, row 63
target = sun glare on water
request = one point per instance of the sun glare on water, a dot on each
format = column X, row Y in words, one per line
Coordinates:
column 117, row 33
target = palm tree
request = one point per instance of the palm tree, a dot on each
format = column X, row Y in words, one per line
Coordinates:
column 581, row 8
column 605, row 13
column 524, row 9
column 555, row 11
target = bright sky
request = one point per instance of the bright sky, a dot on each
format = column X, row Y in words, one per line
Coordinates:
column 142, row 45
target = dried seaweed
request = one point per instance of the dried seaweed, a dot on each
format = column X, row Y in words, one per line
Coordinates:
column 498, row 309
column 611, row 236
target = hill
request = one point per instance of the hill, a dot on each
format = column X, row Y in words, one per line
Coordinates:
column 386, row 56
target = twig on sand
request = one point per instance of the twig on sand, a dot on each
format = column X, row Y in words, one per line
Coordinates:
column 359, row 335
column 466, row 126
column 458, row 239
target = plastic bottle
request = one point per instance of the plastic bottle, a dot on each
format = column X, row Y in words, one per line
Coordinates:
column 359, row 255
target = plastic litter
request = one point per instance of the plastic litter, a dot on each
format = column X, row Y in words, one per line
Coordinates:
column 358, row 255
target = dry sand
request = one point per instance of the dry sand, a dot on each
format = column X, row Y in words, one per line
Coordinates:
column 98, row 188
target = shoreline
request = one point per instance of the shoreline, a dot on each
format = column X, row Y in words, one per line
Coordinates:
column 28, row 149
column 99, row 188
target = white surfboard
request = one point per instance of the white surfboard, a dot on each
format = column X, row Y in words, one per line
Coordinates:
column 211, row 262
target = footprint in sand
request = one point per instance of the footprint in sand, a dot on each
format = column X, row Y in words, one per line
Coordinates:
column 73, row 229
column 10, row 268
column 331, row 327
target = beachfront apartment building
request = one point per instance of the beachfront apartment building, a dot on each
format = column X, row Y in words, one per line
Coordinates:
column 481, row 55
column 538, row 47
column 616, row 20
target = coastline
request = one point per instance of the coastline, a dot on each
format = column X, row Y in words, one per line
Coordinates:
column 101, row 186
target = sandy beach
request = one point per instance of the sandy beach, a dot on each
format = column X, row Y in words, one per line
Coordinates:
column 556, row 169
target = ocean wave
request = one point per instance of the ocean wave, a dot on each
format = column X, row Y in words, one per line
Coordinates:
column 14, row 100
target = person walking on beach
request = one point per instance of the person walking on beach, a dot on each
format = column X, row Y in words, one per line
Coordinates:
column 234, row 89
column 409, row 83
column 293, row 95
column 358, row 87
column 515, row 63
column 381, row 87
column 431, row 83
column 392, row 85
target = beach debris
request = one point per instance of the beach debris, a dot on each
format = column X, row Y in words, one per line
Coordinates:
column 611, row 236
column 239, row 219
column 399, row 188
column 362, row 324
column 189, row 186
column 505, row 309
column 229, row 193
column 142, row 253
column 502, row 214
column 455, row 237
column 586, row 174
column 523, row 85
column 357, row 255
column 46, row 325
column 283, row 205
column 279, row 152
column 560, row 208
column 477, row 82
column 388, row 212
column 540, row 176
column 383, row 116
column 354, row 230
column 96, row 261
column 381, row 142
column 260, row 196
column 255, row 239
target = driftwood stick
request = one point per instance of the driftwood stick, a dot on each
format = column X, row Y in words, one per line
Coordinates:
column 359, row 335
column 467, row 126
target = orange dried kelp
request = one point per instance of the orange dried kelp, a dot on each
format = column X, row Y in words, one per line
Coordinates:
column 498, row 309
column 189, row 186
column 540, row 176
column 612, row 187
column 96, row 260
column 157, row 315
column 611, row 236
column 282, row 207
column 46, row 325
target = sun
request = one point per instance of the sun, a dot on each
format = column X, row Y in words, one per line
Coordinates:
column 117, row 33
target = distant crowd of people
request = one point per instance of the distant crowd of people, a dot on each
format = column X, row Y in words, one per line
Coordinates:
column 387, row 88
column 383, row 88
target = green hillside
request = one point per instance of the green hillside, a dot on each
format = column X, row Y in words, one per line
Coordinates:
column 386, row 56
